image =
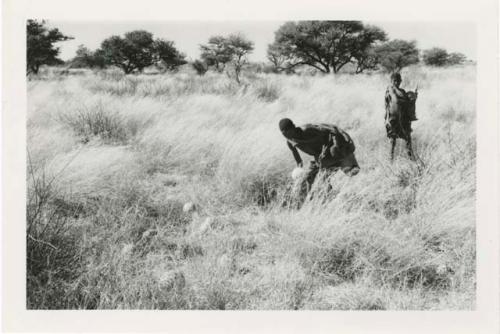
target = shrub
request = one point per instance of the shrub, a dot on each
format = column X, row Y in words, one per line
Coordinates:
column 200, row 67
column 96, row 122
column 52, row 257
column 456, row 58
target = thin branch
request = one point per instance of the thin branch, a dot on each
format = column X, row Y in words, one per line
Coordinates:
column 42, row 242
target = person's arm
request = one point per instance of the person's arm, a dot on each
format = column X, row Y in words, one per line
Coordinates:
column 400, row 93
column 296, row 154
column 387, row 98
column 335, row 150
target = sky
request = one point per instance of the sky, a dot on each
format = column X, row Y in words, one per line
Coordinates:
column 188, row 35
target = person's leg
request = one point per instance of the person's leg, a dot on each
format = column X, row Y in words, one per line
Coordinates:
column 311, row 173
column 409, row 148
column 393, row 146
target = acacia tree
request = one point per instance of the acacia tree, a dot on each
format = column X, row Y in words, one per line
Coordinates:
column 239, row 48
column 435, row 57
column 367, row 60
column 223, row 51
column 167, row 56
column 396, row 54
column 85, row 58
column 215, row 53
column 118, row 52
column 40, row 49
column 278, row 59
column 364, row 49
column 324, row 45
column 138, row 50
column 82, row 58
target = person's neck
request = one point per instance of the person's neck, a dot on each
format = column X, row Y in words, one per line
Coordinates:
column 299, row 134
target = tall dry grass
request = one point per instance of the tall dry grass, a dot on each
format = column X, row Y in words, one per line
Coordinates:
column 114, row 158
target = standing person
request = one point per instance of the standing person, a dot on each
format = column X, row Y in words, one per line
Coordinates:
column 400, row 96
column 331, row 147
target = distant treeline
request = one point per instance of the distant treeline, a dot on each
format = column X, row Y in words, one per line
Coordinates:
column 325, row 46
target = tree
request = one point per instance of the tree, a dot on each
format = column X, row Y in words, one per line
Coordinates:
column 167, row 55
column 278, row 59
column 364, row 52
column 456, row 58
column 138, row 50
column 324, row 45
column 85, row 58
column 215, row 53
column 367, row 60
column 98, row 59
column 82, row 58
column 435, row 57
column 223, row 51
column 40, row 48
column 238, row 48
column 134, row 52
column 396, row 54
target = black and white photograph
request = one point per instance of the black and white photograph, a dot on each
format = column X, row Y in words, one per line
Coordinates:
column 335, row 171
column 251, row 165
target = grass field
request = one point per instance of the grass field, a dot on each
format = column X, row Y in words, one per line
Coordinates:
column 113, row 160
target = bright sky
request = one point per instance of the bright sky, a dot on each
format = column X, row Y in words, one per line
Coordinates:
column 453, row 36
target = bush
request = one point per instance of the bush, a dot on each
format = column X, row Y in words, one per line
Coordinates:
column 96, row 122
column 52, row 258
column 200, row 67
column 456, row 58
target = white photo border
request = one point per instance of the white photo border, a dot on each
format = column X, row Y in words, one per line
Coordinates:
column 485, row 319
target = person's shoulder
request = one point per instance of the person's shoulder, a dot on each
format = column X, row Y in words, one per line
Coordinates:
column 308, row 126
column 328, row 126
column 321, row 128
column 311, row 129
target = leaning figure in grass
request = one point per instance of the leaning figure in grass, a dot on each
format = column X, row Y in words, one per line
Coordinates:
column 331, row 147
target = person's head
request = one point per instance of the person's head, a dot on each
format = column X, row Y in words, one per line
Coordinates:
column 287, row 128
column 396, row 79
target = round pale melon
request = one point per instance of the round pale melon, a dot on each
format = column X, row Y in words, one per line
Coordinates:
column 298, row 173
